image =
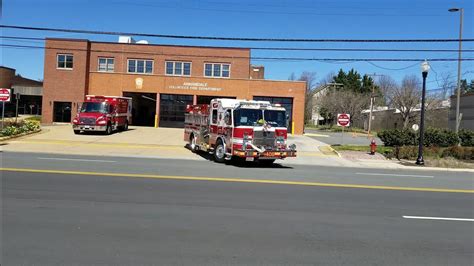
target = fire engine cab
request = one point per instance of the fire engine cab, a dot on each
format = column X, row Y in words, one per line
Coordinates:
column 253, row 130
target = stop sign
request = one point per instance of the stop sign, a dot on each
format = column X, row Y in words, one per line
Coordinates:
column 343, row 120
column 4, row 95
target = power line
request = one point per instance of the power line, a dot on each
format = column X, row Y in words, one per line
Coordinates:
column 243, row 57
column 231, row 38
column 294, row 48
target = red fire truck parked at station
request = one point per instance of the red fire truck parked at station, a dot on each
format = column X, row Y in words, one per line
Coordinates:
column 104, row 114
column 254, row 130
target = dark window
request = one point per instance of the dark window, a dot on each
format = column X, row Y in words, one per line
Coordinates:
column 187, row 69
column 91, row 107
column 225, row 71
column 149, row 67
column 286, row 103
column 178, row 68
column 140, row 66
column 217, row 70
column 275, row 118
column 208, row 70
column 173, row 109
column 106, row 64
column 132, row 66
column 247, row 117
column 169, row 68
column 214, row 116
column 65, row 61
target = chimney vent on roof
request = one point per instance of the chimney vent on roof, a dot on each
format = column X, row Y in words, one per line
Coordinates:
column 126, row 39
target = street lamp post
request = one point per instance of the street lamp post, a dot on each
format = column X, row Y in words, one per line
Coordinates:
column 425, row 67
column 458, row 94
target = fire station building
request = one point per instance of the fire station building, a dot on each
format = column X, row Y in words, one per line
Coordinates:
column 161, row 79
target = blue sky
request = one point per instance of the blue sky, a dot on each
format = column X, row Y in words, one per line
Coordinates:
column 343, row 19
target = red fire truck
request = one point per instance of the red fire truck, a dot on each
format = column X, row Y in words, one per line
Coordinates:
column 253, row 130
column 103, row 113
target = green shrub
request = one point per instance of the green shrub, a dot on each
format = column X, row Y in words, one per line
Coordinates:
column 433, row 137
column 467, row 137
column 440, row 137
column 12, row 128
column 396, row 137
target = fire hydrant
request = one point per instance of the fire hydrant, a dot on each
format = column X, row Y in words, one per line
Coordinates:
column 373, row 147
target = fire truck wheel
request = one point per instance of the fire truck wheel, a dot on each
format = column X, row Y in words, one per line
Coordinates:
column 77, row 132
column 192, row 143
column 266, row 162
column 219, row 153
column 108, row 129
column 125, row 127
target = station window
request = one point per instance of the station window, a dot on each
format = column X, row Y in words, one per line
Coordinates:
column 106, row 64
column 140, row 66
column 65, row 61
column 177, row 68
column 217, row 70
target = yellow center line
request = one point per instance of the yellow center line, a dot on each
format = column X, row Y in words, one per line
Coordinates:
column 239, row 180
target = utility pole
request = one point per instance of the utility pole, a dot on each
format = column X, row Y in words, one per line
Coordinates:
column 458, row 94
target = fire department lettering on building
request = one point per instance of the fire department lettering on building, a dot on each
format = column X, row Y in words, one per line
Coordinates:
column 227, row 128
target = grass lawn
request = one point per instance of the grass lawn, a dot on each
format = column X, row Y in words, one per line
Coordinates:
column 337, row 129
column 365, row 148
column 34, row 118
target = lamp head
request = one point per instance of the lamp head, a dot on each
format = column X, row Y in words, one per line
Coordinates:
column 454, row 9
column 425, row 67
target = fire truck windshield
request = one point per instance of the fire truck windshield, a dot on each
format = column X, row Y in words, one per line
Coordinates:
column 91, row 107
column 275, row 118
column 247, row 117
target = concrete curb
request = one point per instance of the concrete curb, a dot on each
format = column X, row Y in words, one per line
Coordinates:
column 20, row 135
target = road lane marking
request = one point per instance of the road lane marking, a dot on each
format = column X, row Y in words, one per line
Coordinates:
column 439, row 218
column 428, row 176
column 72, row 159
column 239, row 180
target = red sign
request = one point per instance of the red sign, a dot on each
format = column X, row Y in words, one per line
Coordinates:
column 4, row 95
column 343, row 120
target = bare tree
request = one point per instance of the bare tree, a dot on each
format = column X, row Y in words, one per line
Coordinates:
column 343, row 101
column 406, row 98
column 446, row 85
column 310, row 78
column 387, row 85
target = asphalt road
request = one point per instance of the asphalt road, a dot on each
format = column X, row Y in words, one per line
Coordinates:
column 333, row 138
column 76, row 217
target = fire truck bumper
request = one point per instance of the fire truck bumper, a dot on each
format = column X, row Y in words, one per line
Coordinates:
column 89, row 127
column 269, row 154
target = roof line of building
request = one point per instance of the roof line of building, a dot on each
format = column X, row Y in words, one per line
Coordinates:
column 151, row 44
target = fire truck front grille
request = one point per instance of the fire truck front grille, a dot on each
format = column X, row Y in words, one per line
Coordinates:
column 263, row 138
column 87, row 120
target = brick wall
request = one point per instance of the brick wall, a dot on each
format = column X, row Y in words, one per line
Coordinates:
column 61, row 84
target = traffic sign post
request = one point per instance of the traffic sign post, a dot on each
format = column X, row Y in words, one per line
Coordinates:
column 4, row 97
column 343, row 120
